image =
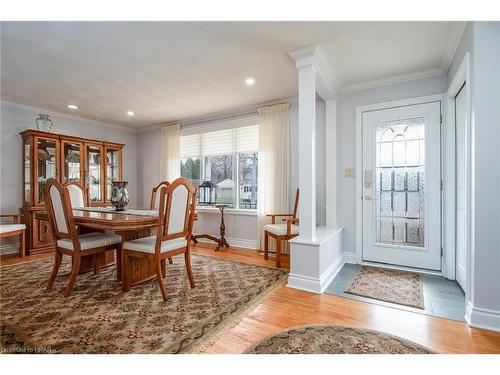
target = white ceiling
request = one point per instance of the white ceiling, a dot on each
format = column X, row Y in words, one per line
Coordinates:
column 167, row 71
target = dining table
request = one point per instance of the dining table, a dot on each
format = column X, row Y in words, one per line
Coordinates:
column 130, row 224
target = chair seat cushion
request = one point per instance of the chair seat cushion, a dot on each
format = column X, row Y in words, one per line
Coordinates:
column 147, row 244
column 280, row 229
column 91, row 241
column 6, row 228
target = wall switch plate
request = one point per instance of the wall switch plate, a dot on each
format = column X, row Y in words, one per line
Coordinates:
column 349, row 172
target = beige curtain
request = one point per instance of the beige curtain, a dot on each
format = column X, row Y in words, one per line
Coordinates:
column 170, row 152
column 274, row 140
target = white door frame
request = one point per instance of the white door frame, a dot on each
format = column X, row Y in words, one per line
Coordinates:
column 449, row 213
column 359, row 157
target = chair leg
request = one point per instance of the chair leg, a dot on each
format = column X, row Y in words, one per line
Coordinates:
column 160, row 280
column 278, row 252
column 266, row 245
column 55, row 269
column 170, row 261
column 187, row 260
column 74, row 274
column 22, row 244
column 163, row 267
column 118, row 263
column 97, row 261
column 125, row 271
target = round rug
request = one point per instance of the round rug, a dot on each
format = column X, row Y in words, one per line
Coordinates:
column 332, row 339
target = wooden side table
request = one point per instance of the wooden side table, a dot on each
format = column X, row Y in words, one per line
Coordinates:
column 221, row 242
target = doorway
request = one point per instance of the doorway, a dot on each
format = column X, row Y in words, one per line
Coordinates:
column 461, row 183
column 401, row 186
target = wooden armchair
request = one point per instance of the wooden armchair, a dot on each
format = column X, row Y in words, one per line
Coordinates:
column 173, row 235
column 283, row 231
column 14, row 229
column 67, row 241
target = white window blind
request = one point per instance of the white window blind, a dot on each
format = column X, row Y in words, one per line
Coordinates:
column 220, row 142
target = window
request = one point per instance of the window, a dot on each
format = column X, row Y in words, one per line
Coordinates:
column 228, row 158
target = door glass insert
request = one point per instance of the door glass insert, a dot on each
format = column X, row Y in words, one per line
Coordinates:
column 47, row 163
column 94, row 173
column 399, row 190
column 112, row 170
column 71, row 154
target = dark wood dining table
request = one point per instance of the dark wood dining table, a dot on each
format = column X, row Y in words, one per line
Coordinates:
column 128, row 226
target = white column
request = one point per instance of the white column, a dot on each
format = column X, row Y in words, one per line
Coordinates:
column 307, row 151
column 331, row 163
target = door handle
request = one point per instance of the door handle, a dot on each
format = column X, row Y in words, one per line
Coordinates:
column 368, row 198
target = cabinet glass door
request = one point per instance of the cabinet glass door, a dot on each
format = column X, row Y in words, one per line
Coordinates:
column 46, row 167
column 71, row 161
column 94, row 177
column 27, row 171
column 112, row 169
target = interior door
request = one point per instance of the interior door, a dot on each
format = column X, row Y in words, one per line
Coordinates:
column 402, row 186
column 461, row 217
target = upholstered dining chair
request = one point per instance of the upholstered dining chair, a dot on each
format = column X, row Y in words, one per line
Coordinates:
column 173, row 235
column 78, row 195
column 67, row 241
column 14, row 229
column 283, row 231
column 155, row 195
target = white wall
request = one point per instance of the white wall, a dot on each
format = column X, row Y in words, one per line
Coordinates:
column 15, row 118
column 241, row 229
column 346, row 117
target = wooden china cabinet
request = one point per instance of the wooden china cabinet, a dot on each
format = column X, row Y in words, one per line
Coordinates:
column 93, row 163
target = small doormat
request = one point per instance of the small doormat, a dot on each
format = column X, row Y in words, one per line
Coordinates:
column 402, row 288
column 332, row 339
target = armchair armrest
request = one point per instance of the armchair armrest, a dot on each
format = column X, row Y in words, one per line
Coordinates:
column 15, row 217
column 289, row 223
column 273, row 216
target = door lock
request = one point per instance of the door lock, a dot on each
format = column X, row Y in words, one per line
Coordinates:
column 368, row 198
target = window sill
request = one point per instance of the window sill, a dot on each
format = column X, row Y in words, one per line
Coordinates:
column 227, row 211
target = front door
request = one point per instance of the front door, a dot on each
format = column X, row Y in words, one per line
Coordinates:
column 401, row 186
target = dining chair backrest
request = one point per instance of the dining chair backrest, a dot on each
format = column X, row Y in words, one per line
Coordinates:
column 77, row 194
column 177, row 208
column 296, row 204
column 59, row 210
column 155, row 195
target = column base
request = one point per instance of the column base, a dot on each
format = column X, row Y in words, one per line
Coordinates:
column 314, row 263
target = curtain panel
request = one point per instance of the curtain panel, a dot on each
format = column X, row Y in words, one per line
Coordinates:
column 274, row 143
column 170, row 152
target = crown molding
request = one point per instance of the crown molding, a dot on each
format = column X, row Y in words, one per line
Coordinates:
column 453, row 42
column 64, row 115
column 393, row 80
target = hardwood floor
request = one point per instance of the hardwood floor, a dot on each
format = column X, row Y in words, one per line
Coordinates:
column 288, row 307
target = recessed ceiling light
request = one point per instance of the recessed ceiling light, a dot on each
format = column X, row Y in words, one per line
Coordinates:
column 72, row 106
column 250, row 81
column 130, row 113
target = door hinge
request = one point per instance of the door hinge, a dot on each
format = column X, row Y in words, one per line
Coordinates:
column 441, row 119
column 442, row 251
column 441, row 185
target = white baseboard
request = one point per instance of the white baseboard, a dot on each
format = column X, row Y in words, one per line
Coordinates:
column 317, row 285
column 236, row 242
column 482, row 318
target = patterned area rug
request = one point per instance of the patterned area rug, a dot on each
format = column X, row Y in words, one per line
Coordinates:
column 403, row 288
column 331, row 339
column 99, row 318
